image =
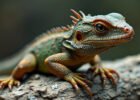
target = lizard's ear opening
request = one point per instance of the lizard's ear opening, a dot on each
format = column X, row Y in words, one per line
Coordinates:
column 79, row 36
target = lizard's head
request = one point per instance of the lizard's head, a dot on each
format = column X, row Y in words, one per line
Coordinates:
column 101, row 30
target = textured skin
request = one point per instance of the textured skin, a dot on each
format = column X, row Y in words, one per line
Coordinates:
column 65, row 49
column 47, row 48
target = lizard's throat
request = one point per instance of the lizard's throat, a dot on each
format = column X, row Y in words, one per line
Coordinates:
column 86, row 49
column 91, row 51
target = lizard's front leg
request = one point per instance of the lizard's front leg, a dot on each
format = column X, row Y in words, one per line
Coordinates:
column 105, row 73
column 56, row 64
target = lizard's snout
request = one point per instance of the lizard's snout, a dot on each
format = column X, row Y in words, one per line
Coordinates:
column 129, row 31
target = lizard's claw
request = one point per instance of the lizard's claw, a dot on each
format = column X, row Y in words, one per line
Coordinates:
column 9, row 82
column 77, row 78
column 105, row 73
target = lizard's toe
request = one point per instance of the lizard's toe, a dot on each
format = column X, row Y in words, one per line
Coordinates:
column 110, row 75
column 105, row 73
column 75, row 79
column 9, row 82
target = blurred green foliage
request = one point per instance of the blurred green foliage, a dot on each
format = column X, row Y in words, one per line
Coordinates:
column 23, row 20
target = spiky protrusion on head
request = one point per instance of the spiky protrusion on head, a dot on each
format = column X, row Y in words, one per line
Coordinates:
column 77, row 16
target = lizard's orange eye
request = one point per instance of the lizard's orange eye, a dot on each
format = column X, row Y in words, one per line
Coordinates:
column 100, row 28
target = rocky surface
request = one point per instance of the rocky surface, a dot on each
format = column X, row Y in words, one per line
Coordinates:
column 41, row 87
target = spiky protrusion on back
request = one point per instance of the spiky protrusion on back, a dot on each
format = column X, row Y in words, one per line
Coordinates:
column 60, row 29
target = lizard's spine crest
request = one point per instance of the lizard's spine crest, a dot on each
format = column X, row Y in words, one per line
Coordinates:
column 60, row 29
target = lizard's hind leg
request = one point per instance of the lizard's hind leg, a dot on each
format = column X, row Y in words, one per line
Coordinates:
column 26, row 65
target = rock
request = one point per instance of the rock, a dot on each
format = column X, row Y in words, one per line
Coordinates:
column 41, row 87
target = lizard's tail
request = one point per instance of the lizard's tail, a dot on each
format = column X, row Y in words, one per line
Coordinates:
column 8, row 64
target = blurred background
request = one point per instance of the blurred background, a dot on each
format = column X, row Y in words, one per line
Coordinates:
column 23, row 20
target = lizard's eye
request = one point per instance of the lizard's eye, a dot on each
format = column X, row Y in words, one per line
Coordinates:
column 100, row 28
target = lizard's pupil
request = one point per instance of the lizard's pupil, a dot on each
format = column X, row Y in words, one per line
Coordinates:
column 100, row 28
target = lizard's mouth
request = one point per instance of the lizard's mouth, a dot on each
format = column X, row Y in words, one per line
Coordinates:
column 111, row 40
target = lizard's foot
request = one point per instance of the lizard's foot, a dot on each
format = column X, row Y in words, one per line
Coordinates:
column 77, row 78
column 105, row 73
column 9, row 82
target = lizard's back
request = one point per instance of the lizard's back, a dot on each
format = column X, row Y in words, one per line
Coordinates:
column 46, row 46
column 43, row 46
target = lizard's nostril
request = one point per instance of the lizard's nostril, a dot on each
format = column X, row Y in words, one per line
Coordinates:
column 127, row 30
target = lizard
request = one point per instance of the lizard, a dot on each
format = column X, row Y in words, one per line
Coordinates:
column 62, row 50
